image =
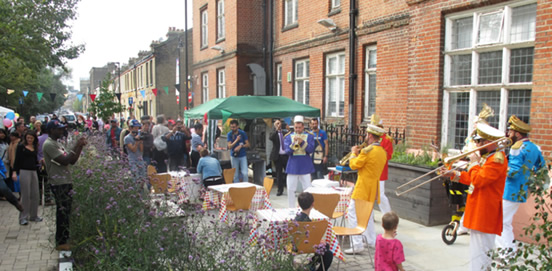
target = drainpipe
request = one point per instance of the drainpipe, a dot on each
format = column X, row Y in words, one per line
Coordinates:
column 270, row 77
column 265, row 60
column 352, row 61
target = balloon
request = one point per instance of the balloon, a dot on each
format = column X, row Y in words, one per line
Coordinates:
column 10, row 115
column 7, row 123
column 17, row 115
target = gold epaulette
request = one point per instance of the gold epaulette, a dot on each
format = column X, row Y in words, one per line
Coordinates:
column 517, row 145
column 389, row 137
column 498, row 158
column 367, row 149
column 289, row 133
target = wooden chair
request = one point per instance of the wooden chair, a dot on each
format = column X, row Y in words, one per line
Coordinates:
column 241, row 198
column 304, row 243
column 364, row 210
column 228, row 175
column 326, row 203
column 268, row 183
column 160, row 182
column 151, row 170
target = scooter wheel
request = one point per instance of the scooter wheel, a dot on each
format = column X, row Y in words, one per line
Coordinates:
column 448, row 234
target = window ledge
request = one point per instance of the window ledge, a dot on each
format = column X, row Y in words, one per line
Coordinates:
column 334, row 11
column 203, row 47
column 220, row 40
column 290, row 26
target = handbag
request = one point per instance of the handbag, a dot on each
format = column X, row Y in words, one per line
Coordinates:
column 160, row 144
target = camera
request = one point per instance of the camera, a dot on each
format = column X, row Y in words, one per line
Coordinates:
column 236, row 153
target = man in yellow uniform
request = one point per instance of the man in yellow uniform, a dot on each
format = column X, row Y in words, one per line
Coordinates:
column 369, row 162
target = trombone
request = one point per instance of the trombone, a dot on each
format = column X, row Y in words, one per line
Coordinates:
column 503, row 143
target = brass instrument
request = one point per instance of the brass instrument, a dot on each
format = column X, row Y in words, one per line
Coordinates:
column 295, row 146
column 345, row 160
column 449, row 161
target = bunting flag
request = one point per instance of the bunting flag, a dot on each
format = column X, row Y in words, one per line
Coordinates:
column 166, row 90
column 66, row 95
column 143, row 92
column 154, row 92
column 92, row 97
column 53, row 96
column 79, row 96
column 118, row 96
column 25, row 93
column 39, row 95
column 10, row 91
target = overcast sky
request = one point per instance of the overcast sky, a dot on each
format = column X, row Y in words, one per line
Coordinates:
column 115, row 30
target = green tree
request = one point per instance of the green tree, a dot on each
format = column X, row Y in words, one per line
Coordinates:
column 34, row 35
column 106, row 103
column 77, row 105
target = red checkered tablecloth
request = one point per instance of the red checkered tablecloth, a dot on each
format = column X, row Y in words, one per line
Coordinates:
column 267, row 221
column 186, row 186
column 218, row 196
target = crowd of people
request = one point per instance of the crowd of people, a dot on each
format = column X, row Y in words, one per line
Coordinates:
column 32, row 155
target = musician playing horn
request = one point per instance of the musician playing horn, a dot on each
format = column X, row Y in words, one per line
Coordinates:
column 298, row 145
column 369, row 162
column 486, row 176
column 525, row 159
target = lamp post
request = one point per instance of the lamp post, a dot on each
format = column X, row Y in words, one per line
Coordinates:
column 186, row 50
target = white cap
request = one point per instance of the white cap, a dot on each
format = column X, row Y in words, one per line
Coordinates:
column 298, row 118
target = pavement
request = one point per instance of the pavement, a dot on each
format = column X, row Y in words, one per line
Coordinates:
column 29, row 247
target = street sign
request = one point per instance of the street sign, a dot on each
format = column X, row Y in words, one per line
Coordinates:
column 130, row 100
column 189, row 97
column 20, row 100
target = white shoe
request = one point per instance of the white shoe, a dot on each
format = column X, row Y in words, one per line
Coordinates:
column 350, row 250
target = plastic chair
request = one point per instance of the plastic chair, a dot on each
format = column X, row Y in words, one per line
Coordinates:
column 363, row 212
column 304, row 243
column 160, row 182
column 268, row 182
column 326, row 203
column 241, row 198
column 229, row 175
column 151, row 170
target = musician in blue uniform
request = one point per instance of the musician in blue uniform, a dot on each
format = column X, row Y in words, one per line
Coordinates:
column 525, row 159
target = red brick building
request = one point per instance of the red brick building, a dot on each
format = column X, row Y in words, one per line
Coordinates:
column 227, row 40
column 423, row 65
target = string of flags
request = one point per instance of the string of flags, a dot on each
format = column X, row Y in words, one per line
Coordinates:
column 53, row 96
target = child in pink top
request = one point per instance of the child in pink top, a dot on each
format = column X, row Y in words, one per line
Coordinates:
column 389, row 251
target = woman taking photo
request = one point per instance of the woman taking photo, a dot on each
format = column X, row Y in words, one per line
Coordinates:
column 26, row 164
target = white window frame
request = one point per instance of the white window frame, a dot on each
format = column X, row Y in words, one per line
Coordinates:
column 279, row 79
column 302, row 79
column 367, row 72
column 221, row 83
column 221, row 32
column 335, row 3
column 204, row 28
column 205, row 86
column 294, row 8
column 503, row 44
column 339, row 75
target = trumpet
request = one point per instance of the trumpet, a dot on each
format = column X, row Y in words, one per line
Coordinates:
column 448, row 162
column 345, row 160
column 295, row 146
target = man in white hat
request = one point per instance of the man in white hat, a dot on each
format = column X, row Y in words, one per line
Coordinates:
column 369, row 162
column 486, row 177
column 299, row 145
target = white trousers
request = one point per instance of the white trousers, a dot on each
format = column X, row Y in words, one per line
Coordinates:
column 370, row 233
column 506, row 240
column 292, row 180
column 480, row 244
column 384, row 205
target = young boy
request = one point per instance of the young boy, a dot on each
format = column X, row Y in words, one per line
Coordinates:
column 306, row 202
column 389, row 251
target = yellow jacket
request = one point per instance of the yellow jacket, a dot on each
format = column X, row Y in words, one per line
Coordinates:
column 369, row 163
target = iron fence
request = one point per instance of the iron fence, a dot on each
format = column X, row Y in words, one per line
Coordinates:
column 341, row 138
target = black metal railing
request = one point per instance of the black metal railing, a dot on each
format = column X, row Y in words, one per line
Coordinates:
column 341, row 138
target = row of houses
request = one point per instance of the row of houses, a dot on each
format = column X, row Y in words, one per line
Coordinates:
column 426, row 66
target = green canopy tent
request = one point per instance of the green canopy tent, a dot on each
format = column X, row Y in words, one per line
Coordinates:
column 249, row 107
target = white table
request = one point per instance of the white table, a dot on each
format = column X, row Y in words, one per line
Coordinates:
column 218, row 196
